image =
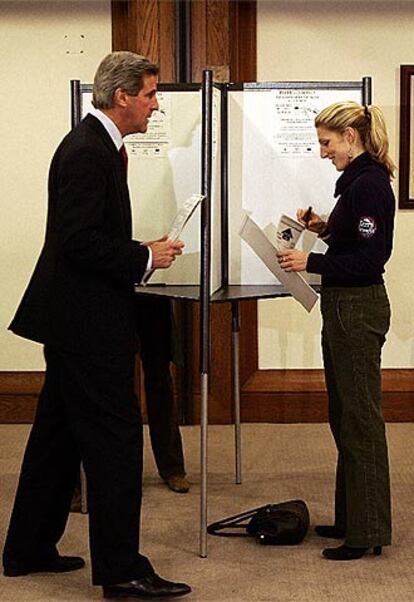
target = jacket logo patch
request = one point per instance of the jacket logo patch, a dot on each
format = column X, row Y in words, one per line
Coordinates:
column 367, row 227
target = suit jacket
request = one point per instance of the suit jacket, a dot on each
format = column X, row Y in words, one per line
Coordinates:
column 81, row 295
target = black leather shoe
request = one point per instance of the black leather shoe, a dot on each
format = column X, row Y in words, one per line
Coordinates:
column 151, row 586
column 330, row 531
column 347, row 553
column 60, row 564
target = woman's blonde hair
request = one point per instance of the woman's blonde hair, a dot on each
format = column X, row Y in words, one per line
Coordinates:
column 367, row 120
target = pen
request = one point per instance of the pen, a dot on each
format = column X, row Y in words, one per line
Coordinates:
column 307, row 215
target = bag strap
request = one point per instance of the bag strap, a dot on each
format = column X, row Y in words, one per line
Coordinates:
column 238, row 521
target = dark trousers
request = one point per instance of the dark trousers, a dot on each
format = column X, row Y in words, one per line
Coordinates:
column 355, row 322
column 87, row 411
column 156, row 333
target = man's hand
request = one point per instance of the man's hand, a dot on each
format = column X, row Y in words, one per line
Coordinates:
column 151, row 242
column 292, row 260
column 164, row 251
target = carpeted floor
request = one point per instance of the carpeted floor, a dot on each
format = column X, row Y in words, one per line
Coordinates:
column 280, row 462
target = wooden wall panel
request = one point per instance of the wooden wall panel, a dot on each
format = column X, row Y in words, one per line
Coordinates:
column 223, row 38
column 220, row 377
column 148, row 28
column 167, row 41
column 215, row 29
column 218, row 39
column 220, row 382
column 143, row 35
column 243, row 52
column 119, row 11
column 249, row 352
column 198, row 40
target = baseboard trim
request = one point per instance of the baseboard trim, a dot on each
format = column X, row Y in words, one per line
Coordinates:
column 267, row 396
column 19, row 392
column 300, row 396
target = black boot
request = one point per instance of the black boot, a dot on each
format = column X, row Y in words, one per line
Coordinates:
column 345, row 552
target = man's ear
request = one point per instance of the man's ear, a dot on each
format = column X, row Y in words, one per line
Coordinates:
column 120, row 99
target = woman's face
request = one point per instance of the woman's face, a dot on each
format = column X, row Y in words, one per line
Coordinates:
column 334, row 146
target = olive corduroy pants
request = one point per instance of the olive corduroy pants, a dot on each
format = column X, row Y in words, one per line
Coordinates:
column 355, row 322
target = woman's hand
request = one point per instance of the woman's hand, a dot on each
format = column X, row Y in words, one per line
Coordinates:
column 292, row 260
column 312, row 222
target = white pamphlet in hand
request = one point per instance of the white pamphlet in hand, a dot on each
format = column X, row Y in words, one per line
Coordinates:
column 180, row 220
column 288, row 232
column 183, row 215
column 266, row 251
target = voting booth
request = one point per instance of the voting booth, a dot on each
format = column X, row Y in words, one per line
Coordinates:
column 251, row 152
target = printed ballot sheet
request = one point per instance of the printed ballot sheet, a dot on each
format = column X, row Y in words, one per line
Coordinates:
column 181, row 219
column 266, row 251
column 183, row 215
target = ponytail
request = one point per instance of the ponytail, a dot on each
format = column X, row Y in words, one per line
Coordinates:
column 376, row 141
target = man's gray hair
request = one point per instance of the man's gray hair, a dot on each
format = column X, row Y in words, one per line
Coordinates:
column 124, row 70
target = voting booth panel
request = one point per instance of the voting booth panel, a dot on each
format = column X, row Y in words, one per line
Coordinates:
column 164, row 170
column 274, row 164
column 270, row 154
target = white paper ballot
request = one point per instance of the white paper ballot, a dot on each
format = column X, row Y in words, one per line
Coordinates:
column 266, row 251
column 180, row 220
column 288, row 232
column 184, row 214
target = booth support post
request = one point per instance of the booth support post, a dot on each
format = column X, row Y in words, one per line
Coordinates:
column 76, row 106
column 235, row 332
column 75, row 117
column 366, row 90
column 205, row 331
column 235, row 313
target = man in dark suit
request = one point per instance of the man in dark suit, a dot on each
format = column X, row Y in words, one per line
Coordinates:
column 80, row 304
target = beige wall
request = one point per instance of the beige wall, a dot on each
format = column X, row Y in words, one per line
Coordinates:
column 324, row 41
column 43, row 45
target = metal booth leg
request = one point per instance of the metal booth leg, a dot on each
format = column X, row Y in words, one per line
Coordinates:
column 203, row 465
column 235, row 327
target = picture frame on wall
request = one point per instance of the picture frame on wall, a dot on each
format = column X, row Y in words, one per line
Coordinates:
column 406, row 162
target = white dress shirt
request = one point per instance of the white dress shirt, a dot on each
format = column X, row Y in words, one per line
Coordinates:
column 116, row 138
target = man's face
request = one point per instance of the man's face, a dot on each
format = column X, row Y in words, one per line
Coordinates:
column 139, row 108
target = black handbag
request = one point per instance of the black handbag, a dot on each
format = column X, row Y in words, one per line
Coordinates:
column 280, row 524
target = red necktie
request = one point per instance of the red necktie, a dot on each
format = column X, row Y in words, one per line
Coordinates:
column 123, row 153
